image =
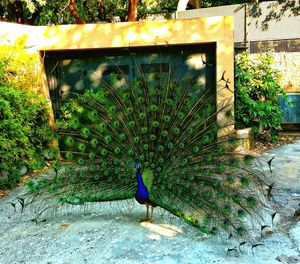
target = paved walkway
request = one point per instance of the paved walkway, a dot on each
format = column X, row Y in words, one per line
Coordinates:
column 110, row 233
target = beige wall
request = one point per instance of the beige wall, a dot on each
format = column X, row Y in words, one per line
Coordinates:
column 287, row 28
column 231, row 10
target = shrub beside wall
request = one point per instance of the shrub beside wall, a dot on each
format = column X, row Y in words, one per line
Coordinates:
column 24, row 117
column 257, row 86
column 20, row 69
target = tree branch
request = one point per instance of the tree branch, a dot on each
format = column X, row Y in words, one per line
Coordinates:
column 132, row 10
column 74, row 12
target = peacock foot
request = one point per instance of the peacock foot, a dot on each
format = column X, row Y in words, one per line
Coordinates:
column 147, row 219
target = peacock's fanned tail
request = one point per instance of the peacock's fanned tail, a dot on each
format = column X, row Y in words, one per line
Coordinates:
column 168, row 125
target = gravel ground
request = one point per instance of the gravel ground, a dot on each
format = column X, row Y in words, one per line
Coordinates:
column 111, row 232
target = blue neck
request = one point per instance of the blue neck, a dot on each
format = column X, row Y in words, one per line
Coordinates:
column 142, row 194
column 140, row 178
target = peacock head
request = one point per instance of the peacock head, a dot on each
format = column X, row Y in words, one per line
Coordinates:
column 137, row 166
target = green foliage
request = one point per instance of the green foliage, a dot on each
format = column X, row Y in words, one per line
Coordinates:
column 19, row 69
column 57, row 12
column 24, row 129
column 42, row 12
column 256, row 93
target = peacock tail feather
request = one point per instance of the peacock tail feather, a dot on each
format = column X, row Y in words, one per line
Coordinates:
column 169, row 126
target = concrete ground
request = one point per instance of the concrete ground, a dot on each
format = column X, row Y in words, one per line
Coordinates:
column 111, row 233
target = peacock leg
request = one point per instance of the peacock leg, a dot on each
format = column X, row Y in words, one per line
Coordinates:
column 151, row 214
column 147, row 214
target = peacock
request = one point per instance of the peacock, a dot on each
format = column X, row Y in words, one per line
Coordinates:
column 158, row 138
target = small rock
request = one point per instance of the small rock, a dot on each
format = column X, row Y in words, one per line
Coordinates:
column 64, row 225
column 288, row 259
column 269, row 233
column 297, row 214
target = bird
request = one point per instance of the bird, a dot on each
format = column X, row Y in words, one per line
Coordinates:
column 142, row 191
column 156, row 138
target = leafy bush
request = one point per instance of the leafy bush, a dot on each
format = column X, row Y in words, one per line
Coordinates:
column 256, row 93
column 19, row 69
column 24, row 129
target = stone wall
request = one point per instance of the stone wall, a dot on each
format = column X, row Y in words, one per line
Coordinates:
column 287, row 58
column 289, row 65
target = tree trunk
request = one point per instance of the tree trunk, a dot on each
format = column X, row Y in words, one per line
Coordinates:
column 132, row 10
column 101, row 11
column 198, row 3
column 16, row 8
column 74, row 12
